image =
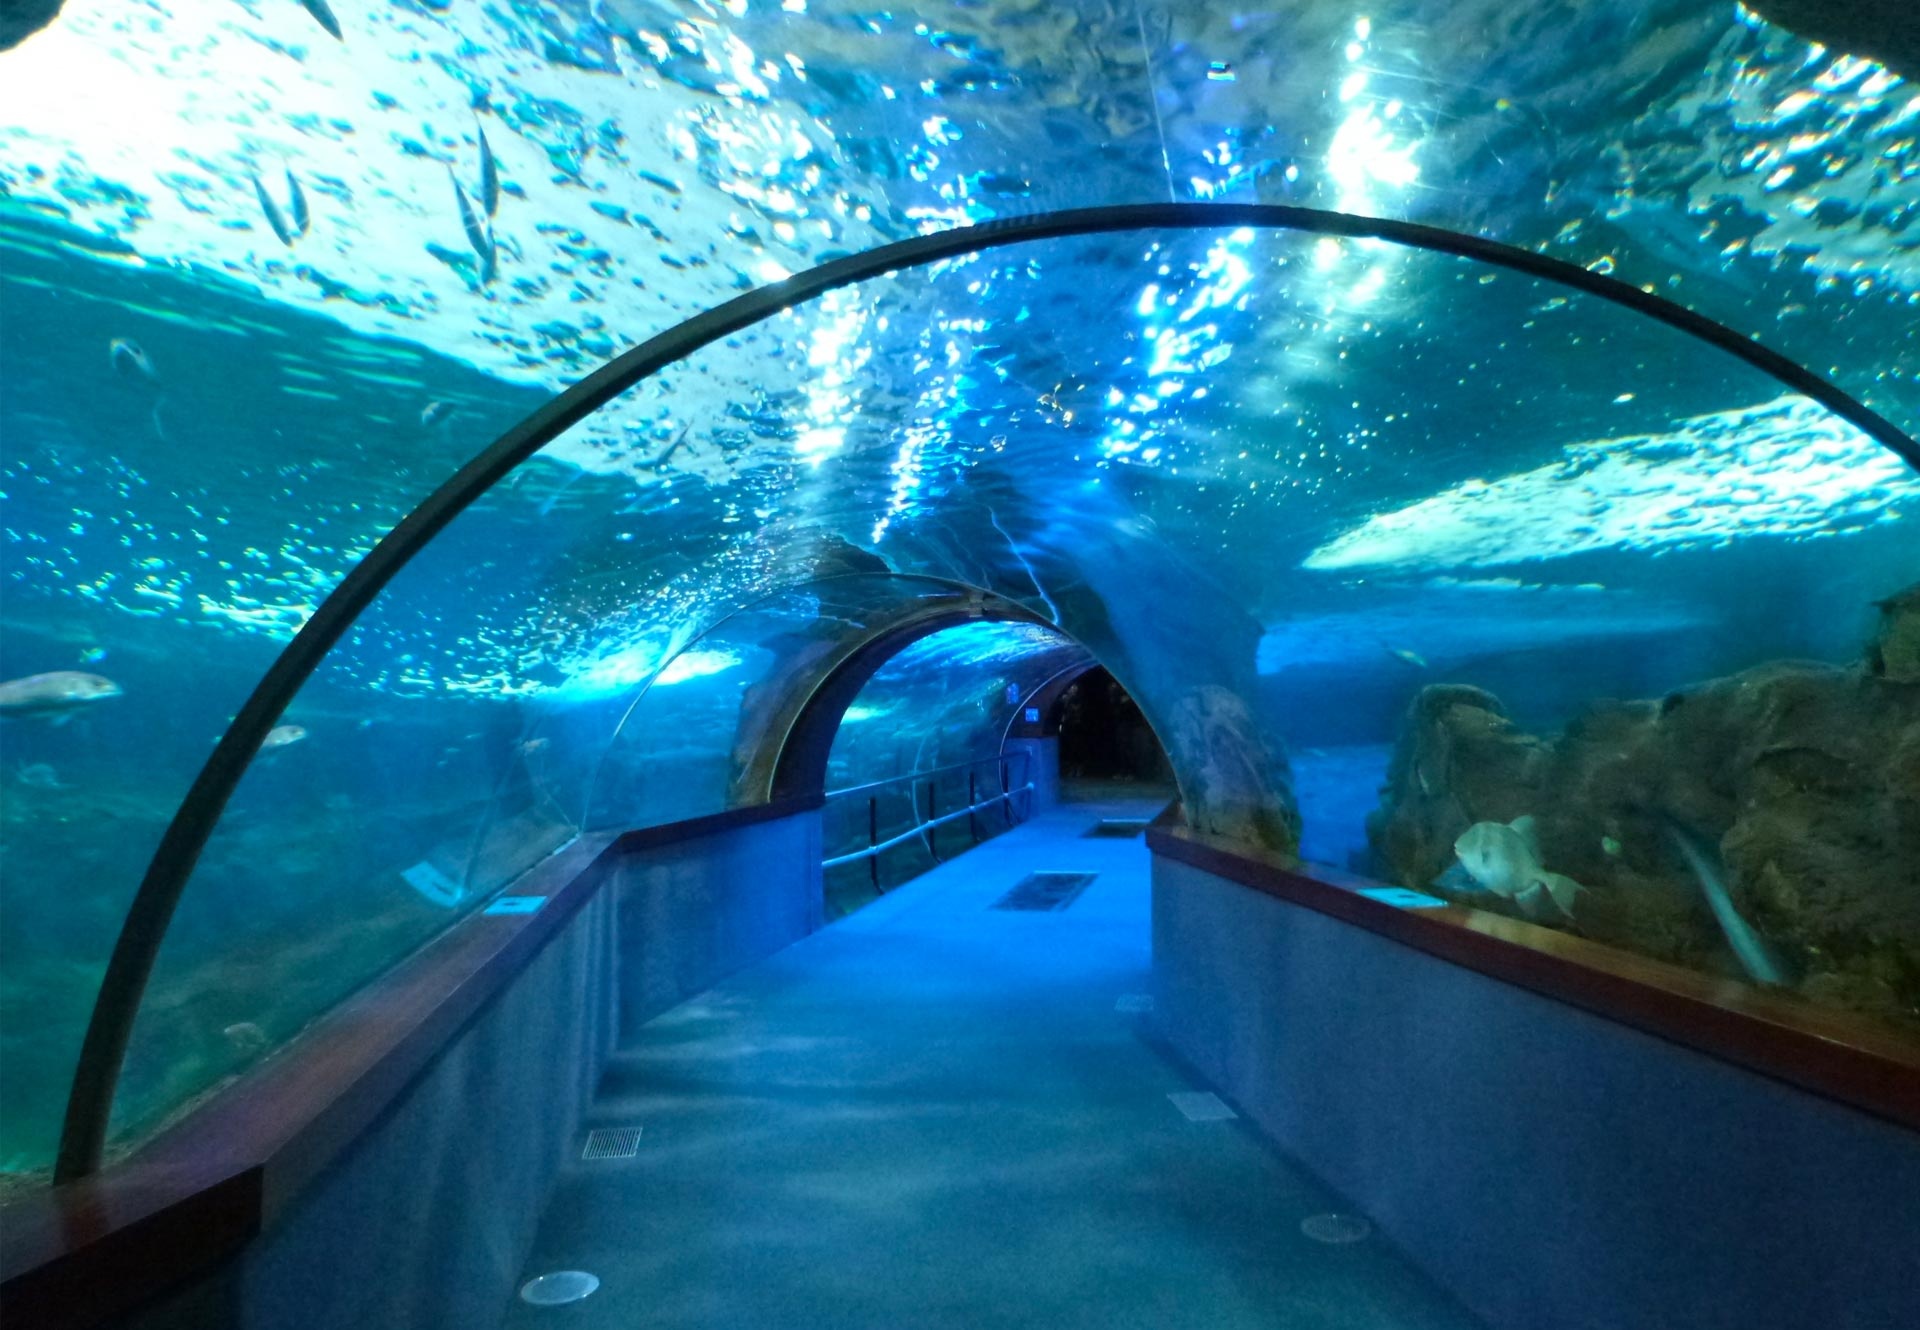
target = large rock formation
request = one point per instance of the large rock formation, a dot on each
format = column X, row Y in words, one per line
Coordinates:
column 1804, row 777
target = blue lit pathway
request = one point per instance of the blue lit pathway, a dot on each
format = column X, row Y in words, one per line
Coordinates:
column 931, row 1116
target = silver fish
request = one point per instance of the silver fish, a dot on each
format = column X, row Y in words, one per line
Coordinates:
column 55, row 696
column 433, row 413
column 1413, row 658
column 40, row 776
column 275, row 218
column 1504, row 858
column 1755, row 956
column 323, row 15
column 489, row 176
column 280, row 736
column 297, row 204
column 126, row 357
column 477, row 235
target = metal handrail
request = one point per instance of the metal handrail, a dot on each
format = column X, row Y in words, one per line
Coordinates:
column 83, row 1133
column 919, row 775
column 925, row 827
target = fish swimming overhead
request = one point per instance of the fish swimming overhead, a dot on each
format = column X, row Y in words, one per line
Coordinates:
column 40, row 776
column 489, row 176
column 297, row 204
column 126, row 357
column 323, row 15
column 433, row 413
column 275, row 218
column 1413, row 658
column 477, row 234
column 55, row 696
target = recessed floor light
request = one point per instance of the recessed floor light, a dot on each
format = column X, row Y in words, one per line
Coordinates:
column 1335, row 1228
column 558, row 1288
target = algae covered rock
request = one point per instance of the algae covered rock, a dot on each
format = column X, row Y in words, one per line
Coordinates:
column 1895, row 653
column 1796, row 783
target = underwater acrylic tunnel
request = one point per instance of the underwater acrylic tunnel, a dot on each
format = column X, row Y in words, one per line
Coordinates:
column 1230, row 785
column 1479, row 439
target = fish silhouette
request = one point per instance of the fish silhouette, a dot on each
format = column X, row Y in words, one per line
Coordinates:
column 489, row 177
column 323, row 15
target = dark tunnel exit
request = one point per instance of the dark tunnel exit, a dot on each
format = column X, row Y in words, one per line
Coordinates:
column 1106, row 745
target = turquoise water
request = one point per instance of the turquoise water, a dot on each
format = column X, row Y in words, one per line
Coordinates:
column 1277, row 485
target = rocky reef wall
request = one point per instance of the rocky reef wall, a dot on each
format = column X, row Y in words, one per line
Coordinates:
column 1796, row 783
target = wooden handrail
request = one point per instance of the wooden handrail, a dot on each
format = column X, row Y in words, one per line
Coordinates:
column 85, row 1252
column 1853, row 1059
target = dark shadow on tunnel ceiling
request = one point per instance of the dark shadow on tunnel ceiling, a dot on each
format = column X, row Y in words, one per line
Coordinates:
column 84, row 1132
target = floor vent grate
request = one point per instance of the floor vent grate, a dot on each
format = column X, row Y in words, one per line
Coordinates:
column 612, row 1143
column 1045, row 891
column 1120, row 828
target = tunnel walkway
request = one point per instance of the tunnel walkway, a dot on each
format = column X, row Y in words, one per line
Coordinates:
column 939, row 1114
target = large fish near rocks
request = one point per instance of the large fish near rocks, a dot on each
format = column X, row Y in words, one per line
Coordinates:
column 1504, row 858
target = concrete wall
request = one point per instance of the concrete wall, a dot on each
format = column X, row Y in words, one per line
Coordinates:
column 695, row 912
column 1552, row 1168
column 426, row 1220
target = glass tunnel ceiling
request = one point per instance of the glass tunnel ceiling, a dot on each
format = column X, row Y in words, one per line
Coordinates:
column 1242, row 468
column 527, row 653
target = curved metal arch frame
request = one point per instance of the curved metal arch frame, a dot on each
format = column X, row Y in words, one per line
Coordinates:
column 103, row 1051
column 980, row 603
column 1047, row 697
column 799, row 765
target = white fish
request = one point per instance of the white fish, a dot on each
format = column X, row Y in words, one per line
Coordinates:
column 40, row 776
column 1504, row 858
column 54, row 696
column 280, row 736
column 1413, row 658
